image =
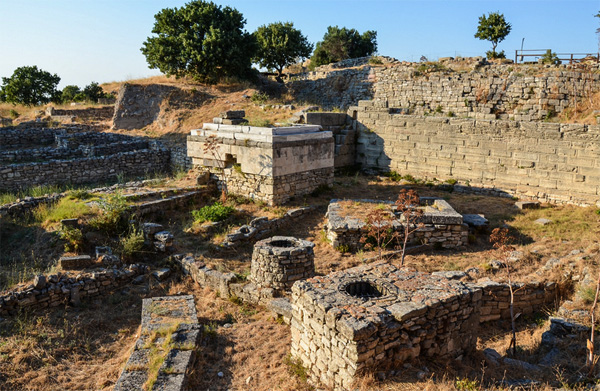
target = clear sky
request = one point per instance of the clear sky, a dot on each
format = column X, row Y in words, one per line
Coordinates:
column 100, row 40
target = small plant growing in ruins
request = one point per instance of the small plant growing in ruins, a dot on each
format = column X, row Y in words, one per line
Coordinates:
column 74, row 238
column 502, row 241
column 112, row 217
column 132, row 244
column 407, row 205
column 214, row 212
column 379, row 230
column 260, row 98
column 550, row 58
column 592, row 359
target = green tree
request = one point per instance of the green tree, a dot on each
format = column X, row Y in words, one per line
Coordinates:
column 493, row 28
column 341, row 43
column 30, row 86
column 93, row 92
column 201, row 40
column 69, row 93
column 279, row 45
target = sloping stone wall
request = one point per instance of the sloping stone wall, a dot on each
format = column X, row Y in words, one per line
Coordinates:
column 139, row 105
column 547, row 161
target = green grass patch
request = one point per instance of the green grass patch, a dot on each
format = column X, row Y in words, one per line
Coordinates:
column 66, row 208
column 214, row 212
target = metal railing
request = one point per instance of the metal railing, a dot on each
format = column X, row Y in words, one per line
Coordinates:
column 539, row 53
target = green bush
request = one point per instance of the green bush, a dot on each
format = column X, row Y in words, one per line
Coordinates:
column 550, row 58
column 112, row 218
column 214, row 212
column 131, row 244
column 74, row 238
column 260, row 98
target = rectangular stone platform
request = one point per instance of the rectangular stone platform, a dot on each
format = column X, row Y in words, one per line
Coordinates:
column 269, row 164
column 170, row 331
column 442, row 224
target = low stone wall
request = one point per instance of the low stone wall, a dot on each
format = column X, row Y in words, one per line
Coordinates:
column 88, row 113
column 180, row 161
column 441, row 224
column 170, row 333
column 16, row 138
column 340, row 124
column 53, row 290
column 529, row 298
column 85, row 170
column 377, row 317
column 551, row 162
column 75, row 140
column 170, row 202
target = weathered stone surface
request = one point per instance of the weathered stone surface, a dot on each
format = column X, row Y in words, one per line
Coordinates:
column 542, row 221
column 527, row 204
column 161, row 274
column 232, row 114
column 158, row 316
column 75, row 262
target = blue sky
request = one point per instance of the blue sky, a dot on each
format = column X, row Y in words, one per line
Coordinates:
column 99, row 40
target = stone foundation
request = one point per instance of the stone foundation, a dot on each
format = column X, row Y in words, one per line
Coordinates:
column 268, row 164
column 171, row 318
column 443, row 226
column 280, row 261
column 377, row 317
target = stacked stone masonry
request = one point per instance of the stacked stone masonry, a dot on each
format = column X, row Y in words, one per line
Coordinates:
column 279, row 261
column 48, row 291
column 377, row 317
column 479, row 90
column 547, row 161
column 75, row 158
column 441, row 224
column 169, row 334
column 269, row 164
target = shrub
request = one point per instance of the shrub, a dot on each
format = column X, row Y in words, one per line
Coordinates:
column 550, row 58
column 259, row 98
column 132, row 243
column 66, row 208
column 214, row 212
column 112, row 217
column 74, row 238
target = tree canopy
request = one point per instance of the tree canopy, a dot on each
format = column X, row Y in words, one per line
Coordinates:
column 30, row 86
column 201, row 40
column 279, row 45
column 493, row 28
column 341, row 43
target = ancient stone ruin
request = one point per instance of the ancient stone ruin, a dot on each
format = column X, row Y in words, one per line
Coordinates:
column 40, row 156
column 377, row 317
column 280, row 261
column 268, row 164
column 442, row 225
column 170, row 331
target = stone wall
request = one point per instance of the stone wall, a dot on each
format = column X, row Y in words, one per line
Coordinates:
column 48, row 291
column 89, row 113
column 377, row 317
column 464, row 88
column 17, row 138
column 442, row 225
column 339, row 88
column 546, row 161
column 344, row 134
column 139, row 105
column 85, row 170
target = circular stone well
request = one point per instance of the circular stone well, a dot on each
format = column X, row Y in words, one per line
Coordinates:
column 279, row 261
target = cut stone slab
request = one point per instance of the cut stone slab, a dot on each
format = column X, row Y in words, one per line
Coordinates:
column 161, row 274
column 527, row 204
column 150, row 229
column 476, row 221
column 543, row 221
column 232, row 114
column 76, row 262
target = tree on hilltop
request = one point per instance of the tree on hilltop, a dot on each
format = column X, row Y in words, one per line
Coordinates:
column 279, row 45
column 341, row 43
column 30, row 86
column 201, row 40
column 493, row 28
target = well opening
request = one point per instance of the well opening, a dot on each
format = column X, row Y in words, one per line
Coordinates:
column 364, row 290
column 282, row 243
